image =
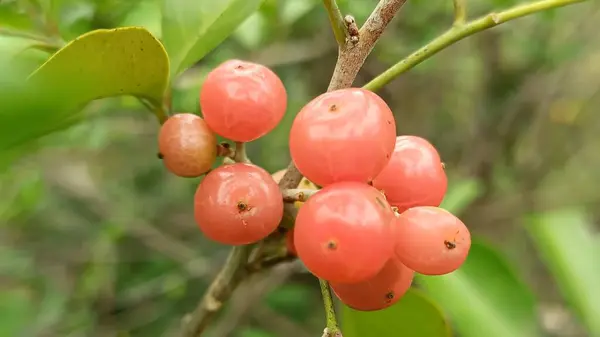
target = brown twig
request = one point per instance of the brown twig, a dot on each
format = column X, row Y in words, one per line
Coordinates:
column 219, row 291
column 351, row 57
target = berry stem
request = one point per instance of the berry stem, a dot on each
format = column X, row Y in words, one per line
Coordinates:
column 457, row 33
column 297, row 194
column 460, row 12
column 337, row 21
column 240, row 155
column 218, row 292
column 332, row 329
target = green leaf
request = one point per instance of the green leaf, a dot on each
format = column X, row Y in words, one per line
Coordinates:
column 98, row 64
column 485, row 297
column 566, row 242
column 109, row 62
column 192, row 28
column 415, row 315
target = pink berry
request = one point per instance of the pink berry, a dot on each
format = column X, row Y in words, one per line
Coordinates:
column 414, row 176
column 242, row 101
column 380, row 291
column 343, row 135
column 343, row 232
column 431, row 240
column 238, row 204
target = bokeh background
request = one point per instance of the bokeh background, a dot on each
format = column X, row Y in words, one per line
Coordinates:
column 97, row 239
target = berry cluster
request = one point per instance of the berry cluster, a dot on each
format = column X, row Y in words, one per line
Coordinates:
column 238, row 203
column 376, row 219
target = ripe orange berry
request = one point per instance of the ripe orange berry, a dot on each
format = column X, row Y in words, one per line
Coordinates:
column 187, row 145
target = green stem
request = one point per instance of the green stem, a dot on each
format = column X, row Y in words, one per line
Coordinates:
column 460, row 12
column 22, row 34
column 458, row 33
column 332, row 325
column 337, row 21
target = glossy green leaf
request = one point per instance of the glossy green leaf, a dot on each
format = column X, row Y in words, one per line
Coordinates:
column 98, row 64
column 485, row 297
column 109, row 62
column 566, row 242
column 415, row 315
column 192, row 28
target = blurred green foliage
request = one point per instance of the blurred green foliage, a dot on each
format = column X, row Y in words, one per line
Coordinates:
column 96, row 239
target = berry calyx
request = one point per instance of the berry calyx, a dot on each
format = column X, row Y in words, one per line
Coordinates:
column 343, row 232
column 414, row 176
column 343, row 135
column 238, row 204
column 431, row 240
column 378, row 292
column 242, row 101
column 187, row 146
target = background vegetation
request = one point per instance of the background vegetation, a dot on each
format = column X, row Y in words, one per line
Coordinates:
column 97, row 239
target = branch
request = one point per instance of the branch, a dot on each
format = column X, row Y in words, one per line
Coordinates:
column 219, row 291
column 351, row 57
column 458, row 33
column 337, row 21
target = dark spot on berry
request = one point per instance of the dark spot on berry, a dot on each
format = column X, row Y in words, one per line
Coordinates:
column 389, row 122
column 370, row 183
column 450, row 244
column 160, row 155
column 331, row 245
column 387, row 155
column 242, row 206
column 239, row 67
column 389, row 296
column 333, row 108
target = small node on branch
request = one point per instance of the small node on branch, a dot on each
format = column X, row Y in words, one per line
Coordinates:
column 297, row 194
column 352, row 28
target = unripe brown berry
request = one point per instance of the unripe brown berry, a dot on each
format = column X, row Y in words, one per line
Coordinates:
column 187, row 145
